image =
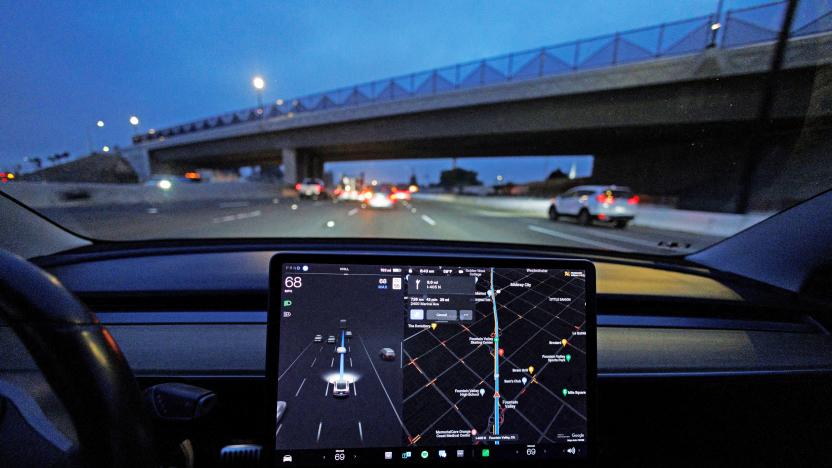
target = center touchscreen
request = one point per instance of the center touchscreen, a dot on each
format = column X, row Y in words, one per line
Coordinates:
column 382, row 363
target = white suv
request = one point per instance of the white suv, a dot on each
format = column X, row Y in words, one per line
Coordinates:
column 310, row 188
column 588, row 203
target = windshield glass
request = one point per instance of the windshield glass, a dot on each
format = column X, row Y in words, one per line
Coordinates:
column 621, row 126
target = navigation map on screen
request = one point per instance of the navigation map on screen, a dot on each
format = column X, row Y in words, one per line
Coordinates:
column 431, row 362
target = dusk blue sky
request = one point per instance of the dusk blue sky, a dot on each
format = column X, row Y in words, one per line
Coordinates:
column 66, row 64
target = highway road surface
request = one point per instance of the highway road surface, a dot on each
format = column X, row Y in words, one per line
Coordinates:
column 419, row 219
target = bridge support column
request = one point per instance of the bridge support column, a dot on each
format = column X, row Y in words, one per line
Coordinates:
column 139, row 159
column 289, row 156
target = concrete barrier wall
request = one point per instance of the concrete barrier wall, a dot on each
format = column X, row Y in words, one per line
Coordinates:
column 54, row 194
column 658, row 217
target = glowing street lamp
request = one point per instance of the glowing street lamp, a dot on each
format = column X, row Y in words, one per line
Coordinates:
column 259, row 83
column 134, row 121
column 105, row 149
column 90, row 140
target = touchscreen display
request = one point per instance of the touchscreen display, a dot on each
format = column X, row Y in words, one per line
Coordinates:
column 393, row 363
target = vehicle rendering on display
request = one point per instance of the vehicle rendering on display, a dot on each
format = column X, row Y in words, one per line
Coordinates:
column 387, row 354
column 341, row 389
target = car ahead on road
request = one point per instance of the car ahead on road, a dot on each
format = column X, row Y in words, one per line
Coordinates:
column 588, row 203
column 379, row 198
column 311, row 188
column 166, row 182
column 341, row 389
column 318, row 338
column 330, row 339
column 387, row 354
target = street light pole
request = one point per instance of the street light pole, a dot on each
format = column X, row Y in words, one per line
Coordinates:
column 134, row 121
column 259, row 83
column 716, row 24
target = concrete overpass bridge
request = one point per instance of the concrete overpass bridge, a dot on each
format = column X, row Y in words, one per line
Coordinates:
column 681, row 106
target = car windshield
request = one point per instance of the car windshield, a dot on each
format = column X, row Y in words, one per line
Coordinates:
column 642, row 127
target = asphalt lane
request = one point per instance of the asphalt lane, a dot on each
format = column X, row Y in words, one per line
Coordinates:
column 419, row 219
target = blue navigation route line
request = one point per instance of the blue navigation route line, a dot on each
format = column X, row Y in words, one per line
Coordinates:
column 496, row 360
column 343, row 345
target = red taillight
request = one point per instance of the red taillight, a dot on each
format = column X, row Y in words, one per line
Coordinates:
column 602, row 216
column 297, row 187
column 633, row 200
column 602, row 198
column 318, row 187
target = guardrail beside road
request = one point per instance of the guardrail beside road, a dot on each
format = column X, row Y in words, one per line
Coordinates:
column 56, row 194
column 658, row 217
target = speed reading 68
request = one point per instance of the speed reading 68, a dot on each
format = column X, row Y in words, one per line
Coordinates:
column 293, row 282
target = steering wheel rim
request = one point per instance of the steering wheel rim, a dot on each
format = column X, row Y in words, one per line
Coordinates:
column 81, row 362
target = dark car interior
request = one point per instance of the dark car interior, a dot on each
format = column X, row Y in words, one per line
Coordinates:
column 694, row 365
column 187, row 300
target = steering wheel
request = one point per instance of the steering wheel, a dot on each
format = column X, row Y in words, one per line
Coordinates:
column 82, row 364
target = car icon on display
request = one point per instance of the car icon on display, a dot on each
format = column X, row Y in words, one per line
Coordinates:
column 330, row 339
column 387, row 354
column 341, row 389
column 287, row 459
column 318, row 338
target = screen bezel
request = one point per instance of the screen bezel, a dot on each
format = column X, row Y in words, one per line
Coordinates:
column 273, row 321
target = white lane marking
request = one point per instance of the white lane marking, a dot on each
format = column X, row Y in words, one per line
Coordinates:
column 380, row 382
column 360, row 431
column 495, row 214
column 294, row 206
column 330, row 224
column 581, row 240
column 278, row 429
column 326, row 392
column 233, row 204
column 428, row 220
column 250, row 214
column 318, row 438
column 355, row 388
column 608, row 235
column 293, row 362
column 413, row 210
column 352, row 211
column 276, row 201
column 234, row 217
column 301, row 386
column 152, row 210
column 332, row 363
column 350, row 361
column 313, row 362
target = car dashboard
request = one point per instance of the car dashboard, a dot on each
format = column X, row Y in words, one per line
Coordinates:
column 681, row 350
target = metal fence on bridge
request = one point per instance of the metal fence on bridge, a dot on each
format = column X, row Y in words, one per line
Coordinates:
column 741, row 27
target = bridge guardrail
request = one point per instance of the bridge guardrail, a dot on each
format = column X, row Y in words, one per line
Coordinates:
column 741, row 27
